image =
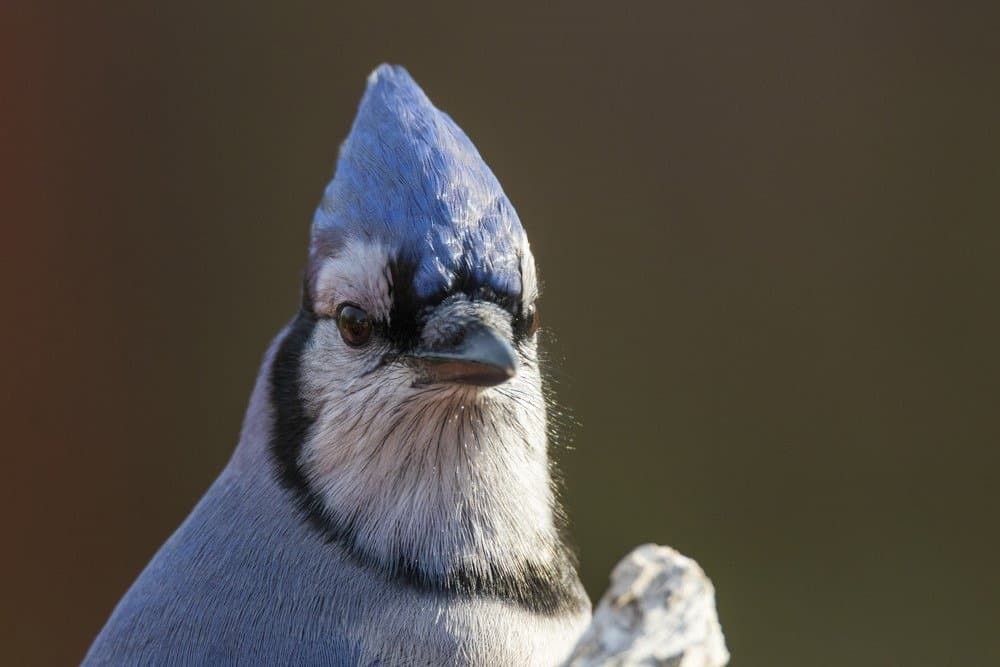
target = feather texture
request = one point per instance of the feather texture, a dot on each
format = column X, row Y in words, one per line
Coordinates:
column 245, row 581
column 409, row 179
column 366, row 519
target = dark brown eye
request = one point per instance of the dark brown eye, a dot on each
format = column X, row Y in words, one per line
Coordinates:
column 354, row 324
column 529, row 321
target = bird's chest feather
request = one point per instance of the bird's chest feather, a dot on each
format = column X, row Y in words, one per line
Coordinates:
column 235, row 585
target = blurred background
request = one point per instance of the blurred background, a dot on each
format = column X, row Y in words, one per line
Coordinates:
column 769, row 240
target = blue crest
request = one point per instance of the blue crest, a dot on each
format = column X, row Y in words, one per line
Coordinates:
column 410, row 179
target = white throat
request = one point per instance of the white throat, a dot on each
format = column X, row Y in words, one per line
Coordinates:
column 443, row 485
column 443, row 476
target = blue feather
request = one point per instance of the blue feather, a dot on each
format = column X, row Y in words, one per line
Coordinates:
column 246, row 579
column 410, row 179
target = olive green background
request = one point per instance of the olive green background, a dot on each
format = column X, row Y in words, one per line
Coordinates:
column 769, row 241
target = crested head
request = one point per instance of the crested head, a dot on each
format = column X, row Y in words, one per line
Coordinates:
column 411, row 181
column 410, row 421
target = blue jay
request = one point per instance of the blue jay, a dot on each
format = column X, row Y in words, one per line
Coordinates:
column 390, row 499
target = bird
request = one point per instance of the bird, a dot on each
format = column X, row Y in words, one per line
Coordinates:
column 390, row 500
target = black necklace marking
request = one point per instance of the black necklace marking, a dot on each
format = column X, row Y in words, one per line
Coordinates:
column 550, row 588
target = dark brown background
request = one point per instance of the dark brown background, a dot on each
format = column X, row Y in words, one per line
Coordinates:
column 769, row 240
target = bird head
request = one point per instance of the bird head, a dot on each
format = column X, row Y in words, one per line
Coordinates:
column 417, row 257
column 409, row 382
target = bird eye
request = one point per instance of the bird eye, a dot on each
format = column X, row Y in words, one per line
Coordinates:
column 529, row 320
column 354, row 324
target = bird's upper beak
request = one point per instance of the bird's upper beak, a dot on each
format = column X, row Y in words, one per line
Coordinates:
column 478, row 355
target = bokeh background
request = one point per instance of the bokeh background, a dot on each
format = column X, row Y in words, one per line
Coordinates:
column 769, row 240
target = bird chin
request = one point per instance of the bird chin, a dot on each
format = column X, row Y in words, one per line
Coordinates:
column 459, row 392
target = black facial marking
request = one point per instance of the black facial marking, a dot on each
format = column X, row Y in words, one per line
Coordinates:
column 543, row 587
column 291, row 423
column 466, row 283
column 408, row 307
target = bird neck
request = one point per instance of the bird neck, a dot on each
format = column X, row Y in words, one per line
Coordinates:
column 461, row 505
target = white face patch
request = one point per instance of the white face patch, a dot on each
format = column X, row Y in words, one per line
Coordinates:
column 359, row 273
column 444, row 475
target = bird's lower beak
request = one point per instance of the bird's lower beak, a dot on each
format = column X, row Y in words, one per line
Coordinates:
column 482, row 356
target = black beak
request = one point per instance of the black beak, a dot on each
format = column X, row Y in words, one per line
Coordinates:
column 481, row 357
